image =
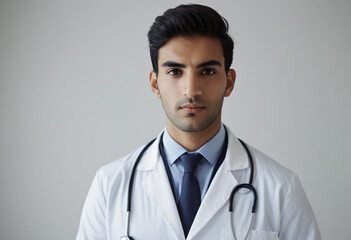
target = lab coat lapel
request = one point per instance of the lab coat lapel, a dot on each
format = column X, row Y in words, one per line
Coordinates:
column 158, row 188
column 221, row 186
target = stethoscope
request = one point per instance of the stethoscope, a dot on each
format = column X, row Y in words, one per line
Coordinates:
column 231, row 198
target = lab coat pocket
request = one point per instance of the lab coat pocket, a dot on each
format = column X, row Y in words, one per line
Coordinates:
column 262, row 235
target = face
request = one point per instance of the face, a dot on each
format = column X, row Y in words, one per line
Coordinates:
column 192, row 82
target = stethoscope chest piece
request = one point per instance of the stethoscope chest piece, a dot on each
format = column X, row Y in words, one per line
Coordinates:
column 126, row 238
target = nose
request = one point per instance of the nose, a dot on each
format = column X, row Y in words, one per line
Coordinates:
column 192, row 86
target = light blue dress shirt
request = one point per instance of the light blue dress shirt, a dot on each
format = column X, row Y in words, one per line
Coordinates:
column 210, row 151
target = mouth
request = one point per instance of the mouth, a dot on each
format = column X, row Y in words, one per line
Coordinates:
column 192, row 108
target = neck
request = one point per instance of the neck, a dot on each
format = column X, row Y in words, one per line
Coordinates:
column 192, row 141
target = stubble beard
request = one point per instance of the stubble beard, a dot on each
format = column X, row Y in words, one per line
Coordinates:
column 185, row 124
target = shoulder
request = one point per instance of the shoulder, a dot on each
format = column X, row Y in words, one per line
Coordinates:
column 271, row 174
column 114, row 176
column 119, row 167
column 269, row 166
column 264, row 165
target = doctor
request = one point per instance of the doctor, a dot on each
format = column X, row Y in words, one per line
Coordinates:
column 191, row 54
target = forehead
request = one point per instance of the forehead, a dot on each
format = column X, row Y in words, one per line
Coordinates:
column 191, row 50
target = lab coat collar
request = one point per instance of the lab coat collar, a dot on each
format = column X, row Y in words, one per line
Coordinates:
column 151, row 156
column 159, row 190
column 222, row 184
column 236, row 157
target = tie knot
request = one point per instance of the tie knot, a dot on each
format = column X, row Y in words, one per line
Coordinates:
column 190, row 161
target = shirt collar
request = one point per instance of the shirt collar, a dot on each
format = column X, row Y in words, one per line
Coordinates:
column 210, row 150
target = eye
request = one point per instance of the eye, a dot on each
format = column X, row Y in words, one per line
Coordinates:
column 174, row 72
column 208, row 71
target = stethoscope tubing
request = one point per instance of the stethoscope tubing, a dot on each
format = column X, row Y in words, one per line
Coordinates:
column 130, row 190
column 245, row 185
column 131, row 179
column 232, row 195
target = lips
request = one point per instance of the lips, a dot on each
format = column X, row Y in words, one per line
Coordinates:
column 192, row 108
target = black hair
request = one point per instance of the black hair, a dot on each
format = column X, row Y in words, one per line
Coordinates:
column 190, row 20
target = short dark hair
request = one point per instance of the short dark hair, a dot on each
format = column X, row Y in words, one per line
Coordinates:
column 190, row 20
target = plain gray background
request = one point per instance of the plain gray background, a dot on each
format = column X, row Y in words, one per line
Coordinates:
column 75, row 95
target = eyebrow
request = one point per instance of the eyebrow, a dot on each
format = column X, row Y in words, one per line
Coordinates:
column 173, row 64
column 201, row 65
column 209, row 63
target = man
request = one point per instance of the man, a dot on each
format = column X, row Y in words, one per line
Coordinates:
column 183, row 181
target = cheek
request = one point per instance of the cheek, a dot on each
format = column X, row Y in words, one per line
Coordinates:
column 216, row 89
column 167, row 94
column 170, row 89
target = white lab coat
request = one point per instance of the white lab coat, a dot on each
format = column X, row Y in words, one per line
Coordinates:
column 283, row 211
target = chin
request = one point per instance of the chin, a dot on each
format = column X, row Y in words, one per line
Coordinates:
column 193, row 127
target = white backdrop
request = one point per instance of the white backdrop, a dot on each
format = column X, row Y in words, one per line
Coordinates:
column 74, row 95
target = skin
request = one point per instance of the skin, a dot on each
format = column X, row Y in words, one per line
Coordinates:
column 192, row 84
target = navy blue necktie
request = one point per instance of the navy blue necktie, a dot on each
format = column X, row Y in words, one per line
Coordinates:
column 190, row 196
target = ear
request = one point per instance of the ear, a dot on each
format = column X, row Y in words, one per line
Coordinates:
column 153, row 84
column 231, row 75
